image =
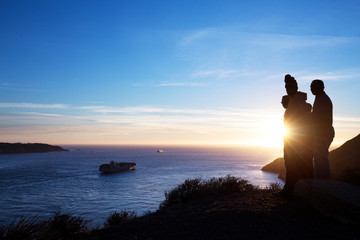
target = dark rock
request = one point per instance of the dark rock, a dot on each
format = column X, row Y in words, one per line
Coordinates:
column 345, row 160
column 333, row 199
column 344, row 163
column 277, row 166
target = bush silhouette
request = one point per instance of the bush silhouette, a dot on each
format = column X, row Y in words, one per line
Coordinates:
column 198, row 188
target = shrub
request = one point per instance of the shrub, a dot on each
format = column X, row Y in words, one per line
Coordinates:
column 60, row 226
column 274, row 186
column 117, row 218
column 25, row 228
column 65, row 226
column 197, row 188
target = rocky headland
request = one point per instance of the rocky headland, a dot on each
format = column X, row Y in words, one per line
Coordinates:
column 9, row 148
column 344, row 163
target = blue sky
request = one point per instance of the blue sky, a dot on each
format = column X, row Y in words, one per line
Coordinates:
column 171, row 72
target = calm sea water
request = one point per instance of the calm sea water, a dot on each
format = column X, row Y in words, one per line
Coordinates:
column 43, row 183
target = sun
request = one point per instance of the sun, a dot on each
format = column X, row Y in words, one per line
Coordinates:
column 273, row 133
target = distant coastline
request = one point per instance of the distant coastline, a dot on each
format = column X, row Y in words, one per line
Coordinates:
column 11, row 148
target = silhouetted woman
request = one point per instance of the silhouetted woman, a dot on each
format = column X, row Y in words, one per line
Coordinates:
column 298, row 140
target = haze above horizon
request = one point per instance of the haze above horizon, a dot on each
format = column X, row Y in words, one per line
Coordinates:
column 172, row 72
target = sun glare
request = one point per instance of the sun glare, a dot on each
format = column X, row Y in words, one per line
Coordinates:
column 274, row 132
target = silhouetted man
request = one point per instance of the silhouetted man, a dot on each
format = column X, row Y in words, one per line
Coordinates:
column 298, row 141
column 324, row 133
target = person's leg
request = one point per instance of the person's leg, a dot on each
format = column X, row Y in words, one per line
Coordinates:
column 309, row 159
column 321, row 158
column 306, row 164
column 293, row 174
column 305, row 169
column 289, row 182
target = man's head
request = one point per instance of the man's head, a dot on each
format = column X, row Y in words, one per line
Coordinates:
column 290, row 85
column 317, row 87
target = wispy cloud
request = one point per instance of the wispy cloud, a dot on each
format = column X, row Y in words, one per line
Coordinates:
column 15, row 87
column 237, row 36
column 340, row 75
column 217, row 73
column 296, row 41
column 129, row 110
column 140, row 122
column 229, row 47
column 347, row 119
column 188, row 83
column 218, row 54
column 181, row 84
column 215, row 55
column 194, row 35
column 150, row 109
column 31, row 105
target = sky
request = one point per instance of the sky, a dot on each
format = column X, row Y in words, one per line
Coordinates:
column 172, row 72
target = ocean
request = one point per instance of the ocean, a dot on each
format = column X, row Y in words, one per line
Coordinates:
column 40, row 184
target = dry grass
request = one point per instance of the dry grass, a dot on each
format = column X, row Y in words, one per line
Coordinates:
column 59, row 226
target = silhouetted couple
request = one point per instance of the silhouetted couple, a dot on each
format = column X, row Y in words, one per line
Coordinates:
column 309, row 134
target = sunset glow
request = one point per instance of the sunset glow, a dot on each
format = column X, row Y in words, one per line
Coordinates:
column 171, row 73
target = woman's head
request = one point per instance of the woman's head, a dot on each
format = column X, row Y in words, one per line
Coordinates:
column 290, row 85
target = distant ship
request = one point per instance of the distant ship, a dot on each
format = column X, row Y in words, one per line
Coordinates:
column 116, row 167
column 160, row 150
